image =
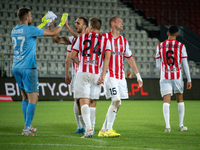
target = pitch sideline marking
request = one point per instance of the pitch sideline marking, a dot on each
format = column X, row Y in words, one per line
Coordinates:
column 96, row 140
column 73, row 145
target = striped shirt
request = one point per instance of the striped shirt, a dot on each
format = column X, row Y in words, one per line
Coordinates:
column 72, row 40
column 91, row 48
column 120, row 49
column 171, row 52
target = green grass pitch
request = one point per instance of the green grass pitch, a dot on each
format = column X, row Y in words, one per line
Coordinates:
column 140, row 123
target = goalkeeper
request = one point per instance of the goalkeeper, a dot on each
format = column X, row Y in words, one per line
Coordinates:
column 24, row 61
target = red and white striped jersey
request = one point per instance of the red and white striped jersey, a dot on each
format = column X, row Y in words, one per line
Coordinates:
column 91, row 48
column 72, row 40
column 171, row 52
column 120, row 49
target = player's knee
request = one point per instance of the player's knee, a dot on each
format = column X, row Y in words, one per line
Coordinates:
column 116, row 102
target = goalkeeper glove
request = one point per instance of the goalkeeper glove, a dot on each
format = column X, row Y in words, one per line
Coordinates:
column 44, row 22
column 63, row 19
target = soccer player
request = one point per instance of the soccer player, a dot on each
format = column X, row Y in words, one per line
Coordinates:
column 115, row 82
column 24, row 62
column 80, row 28
column 170, row 54
column 93, row 50
column 128, row 73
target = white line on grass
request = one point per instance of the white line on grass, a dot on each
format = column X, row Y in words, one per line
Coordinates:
column 96, row 140
column 41, row 135
column 76, row 145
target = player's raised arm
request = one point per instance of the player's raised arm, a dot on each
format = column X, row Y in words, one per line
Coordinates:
column 58, row 29
column 74, row 33
column 60, row 40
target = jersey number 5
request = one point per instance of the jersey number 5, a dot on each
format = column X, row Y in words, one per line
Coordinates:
column 170, row 57
column 89, row 47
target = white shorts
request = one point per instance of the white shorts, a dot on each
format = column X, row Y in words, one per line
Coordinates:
column 73, row 83
column 167, row 86
column 86, row 86
column 115, row 87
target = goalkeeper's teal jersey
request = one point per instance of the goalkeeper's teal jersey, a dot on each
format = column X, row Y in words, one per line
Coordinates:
column 24, row 44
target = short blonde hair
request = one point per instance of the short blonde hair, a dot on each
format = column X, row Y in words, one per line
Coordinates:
column 113, row 19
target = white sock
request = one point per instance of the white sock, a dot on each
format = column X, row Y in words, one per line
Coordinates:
column 166, row 114
column 85, row 111
column 181, row 112
column 93, row 116
column 81, row 121
column 76, row 115
column 114, row 113
column 104, row 124
column 111, row 117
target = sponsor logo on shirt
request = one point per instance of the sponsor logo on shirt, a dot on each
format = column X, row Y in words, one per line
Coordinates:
column 91, row 62
column 117, row 53
column 16, row 52
column 18, row 57
column 172, row 69
column 116, row 45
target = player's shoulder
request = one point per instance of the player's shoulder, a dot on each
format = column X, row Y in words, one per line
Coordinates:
column 162, row 43
column 85, row 34
column 180, row 43
column 103, row 37
column 19, row 29
column 104, row 34
column 121, row 36
column 72, row 39
column 107, row 35
column 31, row 28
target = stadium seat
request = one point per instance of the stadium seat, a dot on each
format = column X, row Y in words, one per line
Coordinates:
column 47, row 50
